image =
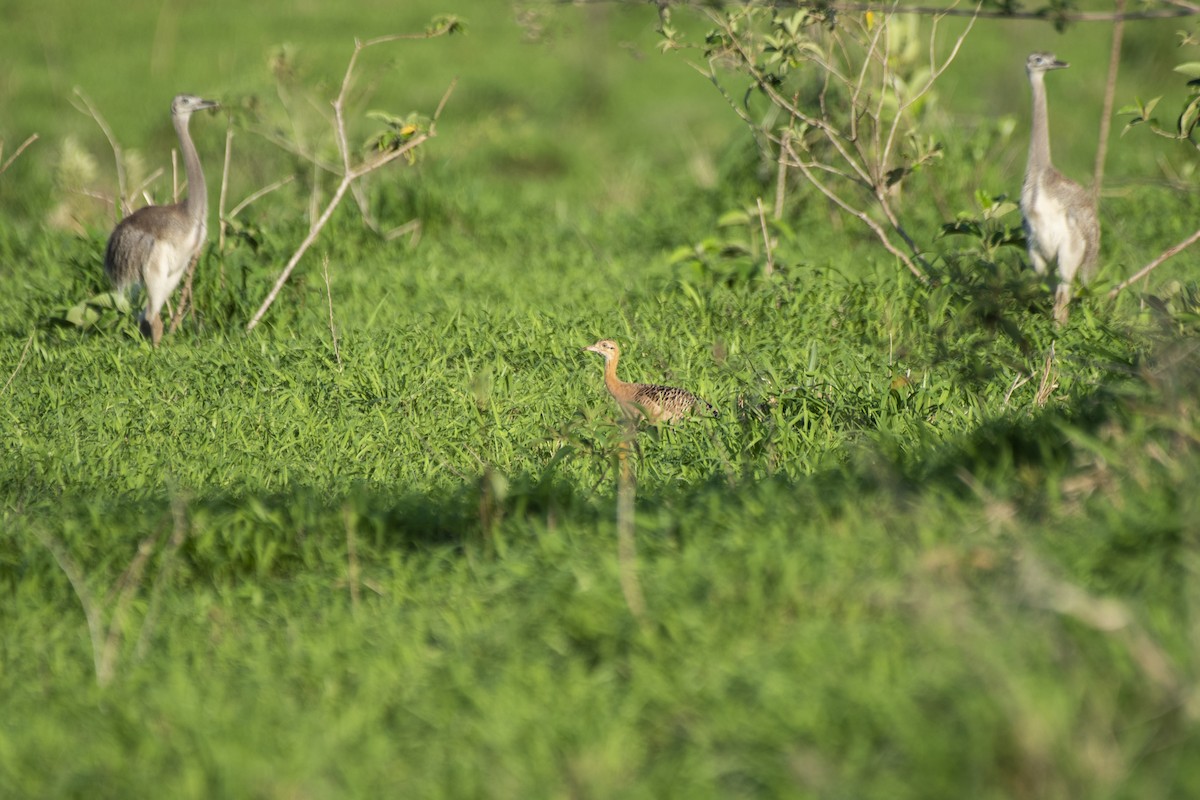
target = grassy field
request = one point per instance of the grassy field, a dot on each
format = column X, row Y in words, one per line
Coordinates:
column 932, row 547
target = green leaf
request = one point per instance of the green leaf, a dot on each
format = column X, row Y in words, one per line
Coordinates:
column 730, row 218
column 1191, row 69
column 83, row 315
column 1187, row 120
column 386, row 117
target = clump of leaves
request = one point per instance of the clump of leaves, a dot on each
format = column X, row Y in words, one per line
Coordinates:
column 845, row 99
column 996, row 224
column 1184, row 126
column 102, row 311
column 398, row 131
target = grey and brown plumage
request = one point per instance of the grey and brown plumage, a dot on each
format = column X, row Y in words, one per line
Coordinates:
column 154, row 245
column 1061, row 224
column 651, row 401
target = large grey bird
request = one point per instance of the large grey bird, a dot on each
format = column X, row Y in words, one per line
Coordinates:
column 1061, row 225
column 154, row 245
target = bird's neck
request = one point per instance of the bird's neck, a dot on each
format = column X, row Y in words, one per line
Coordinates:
column 611, row 380
column 1039, row 134
column 197, row 196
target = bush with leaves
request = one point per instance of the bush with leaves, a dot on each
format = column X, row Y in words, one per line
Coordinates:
column 1184, row 126
column 838, row 97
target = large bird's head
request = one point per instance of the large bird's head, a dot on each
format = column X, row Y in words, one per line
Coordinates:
column 184, row 104
column 1043, row 62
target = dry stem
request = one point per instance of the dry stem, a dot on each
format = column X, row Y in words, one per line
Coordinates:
column 32, row 138
column 337, row 354
column 20, row 362
column 1048, row 383
column 178, row 534
column 1146, row 270
column 121, row 207
column 1110, row 88
column 221, row 221
column 631, row 587
column 352, row 566
column 769, row 267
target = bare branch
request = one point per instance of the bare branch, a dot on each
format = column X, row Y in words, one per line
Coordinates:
column 631, row 587
column 1110, row 88
column 221, row 219
column 95, row 114
column 32, row 138
column 20, row 363
column 769, row 267
column 1049, row 382
column 863, row 217
column 166, row 562
column 1146, row 270
column 337, row 353
column 263, row 191
column 91, row 612
column 350, row 172
column 125, row 588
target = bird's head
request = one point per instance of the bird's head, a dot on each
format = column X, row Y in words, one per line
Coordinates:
column 185, row 104
column 1043, row 62
column 605, row 347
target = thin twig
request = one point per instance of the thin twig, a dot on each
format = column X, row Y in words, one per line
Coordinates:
column 1017, row 383
column 1106, row 615
column 780, row 184
column 352, row 567
column 769, row 267
column 144, row 185
column 121, row 205
column 1146, row 270
column 861, row 216
column 332, row 327
column 20, row 362
column 166, row 562
column 1048, row 383
column 1110, row 89
column 222, row 220
column 32, row 138
column 126, row 586
column 631, row 587
column 265, row 190
column 74, row 575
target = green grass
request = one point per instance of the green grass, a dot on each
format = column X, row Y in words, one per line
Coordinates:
column 391, row 568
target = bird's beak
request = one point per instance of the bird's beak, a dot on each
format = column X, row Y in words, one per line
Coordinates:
column 209, row 104
column 1059, row 64
column 591, row 348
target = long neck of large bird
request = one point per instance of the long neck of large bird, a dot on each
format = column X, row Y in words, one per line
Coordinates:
column 197, row 198
column 1039, row 135
column 610, row 374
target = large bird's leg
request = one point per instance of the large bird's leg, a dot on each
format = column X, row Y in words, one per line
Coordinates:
column 185, row 296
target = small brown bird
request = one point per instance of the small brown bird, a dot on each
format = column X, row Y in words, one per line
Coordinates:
column 655, row 403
